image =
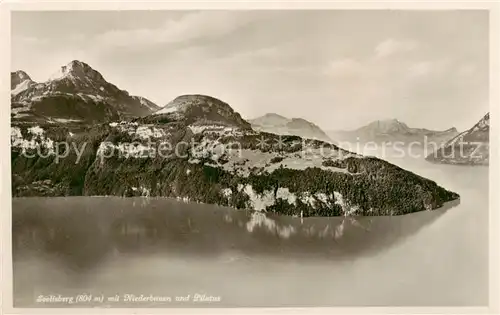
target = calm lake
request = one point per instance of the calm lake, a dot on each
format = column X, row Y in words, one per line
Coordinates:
column 176, row 254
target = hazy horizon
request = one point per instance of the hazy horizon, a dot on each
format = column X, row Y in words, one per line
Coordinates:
column 340, row 69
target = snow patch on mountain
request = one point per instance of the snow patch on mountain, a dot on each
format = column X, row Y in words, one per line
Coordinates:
column 59, row 74
column 91, row 97
column 19, row 82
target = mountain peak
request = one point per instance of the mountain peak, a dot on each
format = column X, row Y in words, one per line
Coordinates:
column 198, row 108
column 76, row 70
column 17, row 78
column 77, row 65
column 72, row 93
column 277, row 124
column 388, row 122
column 21, row 75
column 474, row 142
column 270, row 119
column 182, row 103
column 386, row 126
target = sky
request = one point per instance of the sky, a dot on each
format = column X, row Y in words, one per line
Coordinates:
column 340, row 69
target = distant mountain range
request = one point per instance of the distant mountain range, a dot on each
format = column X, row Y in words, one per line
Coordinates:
column 470, row 147
column 280, row 125
column 393, row 130
column 212, row 155
column 76, row 92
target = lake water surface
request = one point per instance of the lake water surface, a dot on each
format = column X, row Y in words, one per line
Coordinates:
column 124, row 247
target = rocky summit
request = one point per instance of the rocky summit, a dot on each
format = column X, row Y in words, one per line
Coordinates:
column 74, row 93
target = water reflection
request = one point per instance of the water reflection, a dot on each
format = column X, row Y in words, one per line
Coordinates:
column 156, row 246
column 85, row 231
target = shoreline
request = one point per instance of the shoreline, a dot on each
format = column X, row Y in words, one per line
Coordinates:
column 446, row 206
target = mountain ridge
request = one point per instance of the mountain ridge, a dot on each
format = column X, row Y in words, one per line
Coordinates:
column 198, row 109
column 275, row 123
column 472, row 146
column 75, row 92
column 392, row 130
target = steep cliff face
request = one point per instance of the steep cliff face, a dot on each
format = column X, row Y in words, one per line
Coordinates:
column 470, row 147
column 202, row 151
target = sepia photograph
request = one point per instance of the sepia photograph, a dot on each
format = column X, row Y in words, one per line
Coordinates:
column 266, row 158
